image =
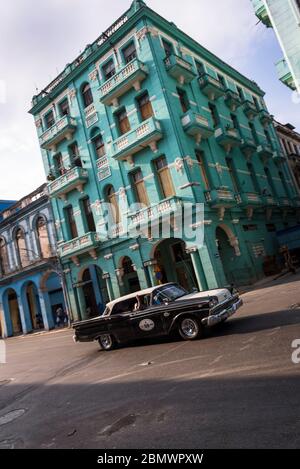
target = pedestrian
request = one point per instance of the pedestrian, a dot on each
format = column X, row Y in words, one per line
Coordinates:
column 39, row 320
column 59, row 316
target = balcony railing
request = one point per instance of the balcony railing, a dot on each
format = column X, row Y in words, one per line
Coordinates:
column 155, row 212
column 265, row 151
column 284, row 74
column 63, row 128
column 249, row 199
column 81, row 245
column 221, row 197
column 268, row 201
column 261, row 12
column 74, row 178
column 265, row 118
column 248, row 146
column 232, row 100
column 196, row 125
column 228, row 137
column 179, row 68
column 210, row 86
column 284, row 202
column 279, row 156
column 129, row 76
column 250, row 109
column 145, row 134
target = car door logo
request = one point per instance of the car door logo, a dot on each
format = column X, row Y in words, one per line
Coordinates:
column 146, row 325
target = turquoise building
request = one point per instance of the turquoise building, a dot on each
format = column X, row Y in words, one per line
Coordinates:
column 284, row 17
column 147, row 115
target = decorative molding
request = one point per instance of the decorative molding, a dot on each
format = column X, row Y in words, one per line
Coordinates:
column 179, row 165
column 107, row 257
column 93, row 75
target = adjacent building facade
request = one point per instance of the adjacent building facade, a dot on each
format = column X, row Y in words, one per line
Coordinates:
column 147, row 115
column 290, row 142
column 30, row 286
column 284, row 17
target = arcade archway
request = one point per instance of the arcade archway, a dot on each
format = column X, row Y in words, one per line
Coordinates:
column 94, row 294
column 10, row 303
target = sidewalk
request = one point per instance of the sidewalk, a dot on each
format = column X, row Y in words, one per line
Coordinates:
column 269, row 281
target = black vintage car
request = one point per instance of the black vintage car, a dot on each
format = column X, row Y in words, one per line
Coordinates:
column 158, row 311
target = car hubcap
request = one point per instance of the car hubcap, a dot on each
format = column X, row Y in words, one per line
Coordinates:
column 189, row 327
column 106, row 341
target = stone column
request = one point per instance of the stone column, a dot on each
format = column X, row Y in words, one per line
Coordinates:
column 201, row 281
column 25, row 316
column 46, row 309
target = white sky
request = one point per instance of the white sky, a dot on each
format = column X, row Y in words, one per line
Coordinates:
column 38, row 38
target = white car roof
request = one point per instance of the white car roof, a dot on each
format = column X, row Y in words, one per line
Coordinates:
column 146, row 291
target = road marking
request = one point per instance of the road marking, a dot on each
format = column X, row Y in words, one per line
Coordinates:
column 274, row 331
column 216, row 360
column 245, row 347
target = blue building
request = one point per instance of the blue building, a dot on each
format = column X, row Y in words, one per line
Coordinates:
column 30, row 286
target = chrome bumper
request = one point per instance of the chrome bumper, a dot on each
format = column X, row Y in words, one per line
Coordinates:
column 75, row 339
column 222, row 315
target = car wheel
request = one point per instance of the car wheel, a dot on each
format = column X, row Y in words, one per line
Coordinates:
column 106, row 342
column 189, row 328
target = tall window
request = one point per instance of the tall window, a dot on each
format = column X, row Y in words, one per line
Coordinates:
column 64, row 109
column 270, row 181
column 87, row 96
column 164, row 177
column 253, row 177
column 139, row 187
column 269, row 140
column 114, row 206
column 123, row 122
column 235, row 122
column 240, row 93
column 21, row 248
column 4, row 264
column 129, row 52
column 222, row 80
column 202, row 168
column 200, row 68
column 43, row 238
column 255, row 100
column 49, row 119
column 109, row 69
column 145, row 107
column 59, row 164
column 71, row 223
column 88, row 213
column 74, row 154
column 214, row 114
column 253, row 132
column 183, row 98
column 98, row 145
column 168, row 48
column 232, row 175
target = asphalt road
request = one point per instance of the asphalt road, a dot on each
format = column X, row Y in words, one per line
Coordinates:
column 237, row 387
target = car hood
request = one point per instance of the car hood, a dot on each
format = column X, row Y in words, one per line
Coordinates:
column 222, row 294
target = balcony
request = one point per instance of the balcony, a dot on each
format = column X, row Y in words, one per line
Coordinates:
column 278, row 156
column 179, row 69
column 265, row 151
column 221, row 197
column 284, row 74
column 197, row 126
column 211, row 87
column 261, row 12
column 228, row 137
column 250, row 109
column 146, row 134
column 232, row 100
column 265, row 118
column 86, row 244
column 75, row 178
column 63, row 128
column 284, row 202
column 128, row 77
column 167, row 207
column 268, row 201
column 248, row 146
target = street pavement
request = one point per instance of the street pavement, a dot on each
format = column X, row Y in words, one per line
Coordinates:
column 235, row 388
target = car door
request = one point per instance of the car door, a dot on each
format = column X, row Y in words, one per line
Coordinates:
column 148, row 323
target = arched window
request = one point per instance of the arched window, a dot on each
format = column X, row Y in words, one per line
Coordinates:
column 87, row 96
column 4, row 264
column 21, row 248
column 98, row 144
column 114, row 206
column 43, row 237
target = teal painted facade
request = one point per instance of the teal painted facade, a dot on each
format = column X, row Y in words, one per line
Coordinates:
column 200, row 106
column 284, row 17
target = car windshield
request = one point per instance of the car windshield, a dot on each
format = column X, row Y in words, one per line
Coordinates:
column 171, row 292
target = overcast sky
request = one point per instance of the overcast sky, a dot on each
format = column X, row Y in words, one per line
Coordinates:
column 38, row 38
